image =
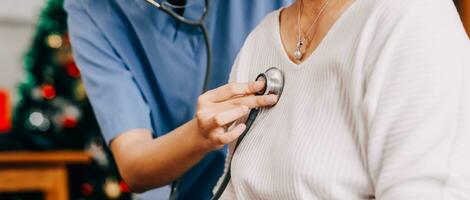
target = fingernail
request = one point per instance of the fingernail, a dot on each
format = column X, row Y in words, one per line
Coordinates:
column 271, row 99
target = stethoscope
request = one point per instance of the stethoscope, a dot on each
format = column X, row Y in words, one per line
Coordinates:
column 167, row 8
column 273, row 79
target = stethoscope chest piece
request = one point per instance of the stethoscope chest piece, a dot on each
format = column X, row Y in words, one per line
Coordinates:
column 274, row 81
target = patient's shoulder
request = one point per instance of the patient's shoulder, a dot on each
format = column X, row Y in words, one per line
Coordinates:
column 399, row 10
column 269, row 21
column 265, row 29
column 262, row 37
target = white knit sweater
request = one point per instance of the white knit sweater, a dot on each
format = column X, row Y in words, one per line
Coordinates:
column 381, row 108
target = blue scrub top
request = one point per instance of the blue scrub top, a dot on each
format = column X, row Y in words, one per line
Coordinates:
column 143, row 69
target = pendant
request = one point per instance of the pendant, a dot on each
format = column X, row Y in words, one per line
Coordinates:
column 297, row 54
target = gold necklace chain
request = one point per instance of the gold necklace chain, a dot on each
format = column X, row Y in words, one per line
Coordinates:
column 298, row 54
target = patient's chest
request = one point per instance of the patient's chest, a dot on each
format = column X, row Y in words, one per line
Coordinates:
column 307, row 145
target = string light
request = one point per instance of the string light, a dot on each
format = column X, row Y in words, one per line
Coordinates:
column 54, row 41
column 38, row 121
column 48, row 91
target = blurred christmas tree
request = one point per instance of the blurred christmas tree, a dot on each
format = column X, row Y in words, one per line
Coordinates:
column 54, row 114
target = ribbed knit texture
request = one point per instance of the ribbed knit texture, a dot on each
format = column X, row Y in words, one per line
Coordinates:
column 381, row 108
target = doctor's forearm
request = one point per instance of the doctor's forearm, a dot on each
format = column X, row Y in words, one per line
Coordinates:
column 146, row 163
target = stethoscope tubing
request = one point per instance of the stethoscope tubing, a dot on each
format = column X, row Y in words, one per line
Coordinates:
column 249, row 122
column 180, row 18
column 277, row 89
column 198, row 23
column 274, row 84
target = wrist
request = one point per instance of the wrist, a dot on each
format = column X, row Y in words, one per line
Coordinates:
column 199, row 143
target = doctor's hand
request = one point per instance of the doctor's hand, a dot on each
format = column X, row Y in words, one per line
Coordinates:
column 220, row 107
column 146, row 162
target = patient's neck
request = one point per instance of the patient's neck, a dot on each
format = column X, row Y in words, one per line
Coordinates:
column 289, row 23
column 311, row 7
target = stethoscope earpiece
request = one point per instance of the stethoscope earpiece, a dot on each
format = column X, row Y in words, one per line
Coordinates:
column 273, row 80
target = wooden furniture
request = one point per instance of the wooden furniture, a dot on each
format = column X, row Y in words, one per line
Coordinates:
column 38, row 171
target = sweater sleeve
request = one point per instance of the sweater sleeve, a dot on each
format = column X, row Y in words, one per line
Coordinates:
column 417, row 104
